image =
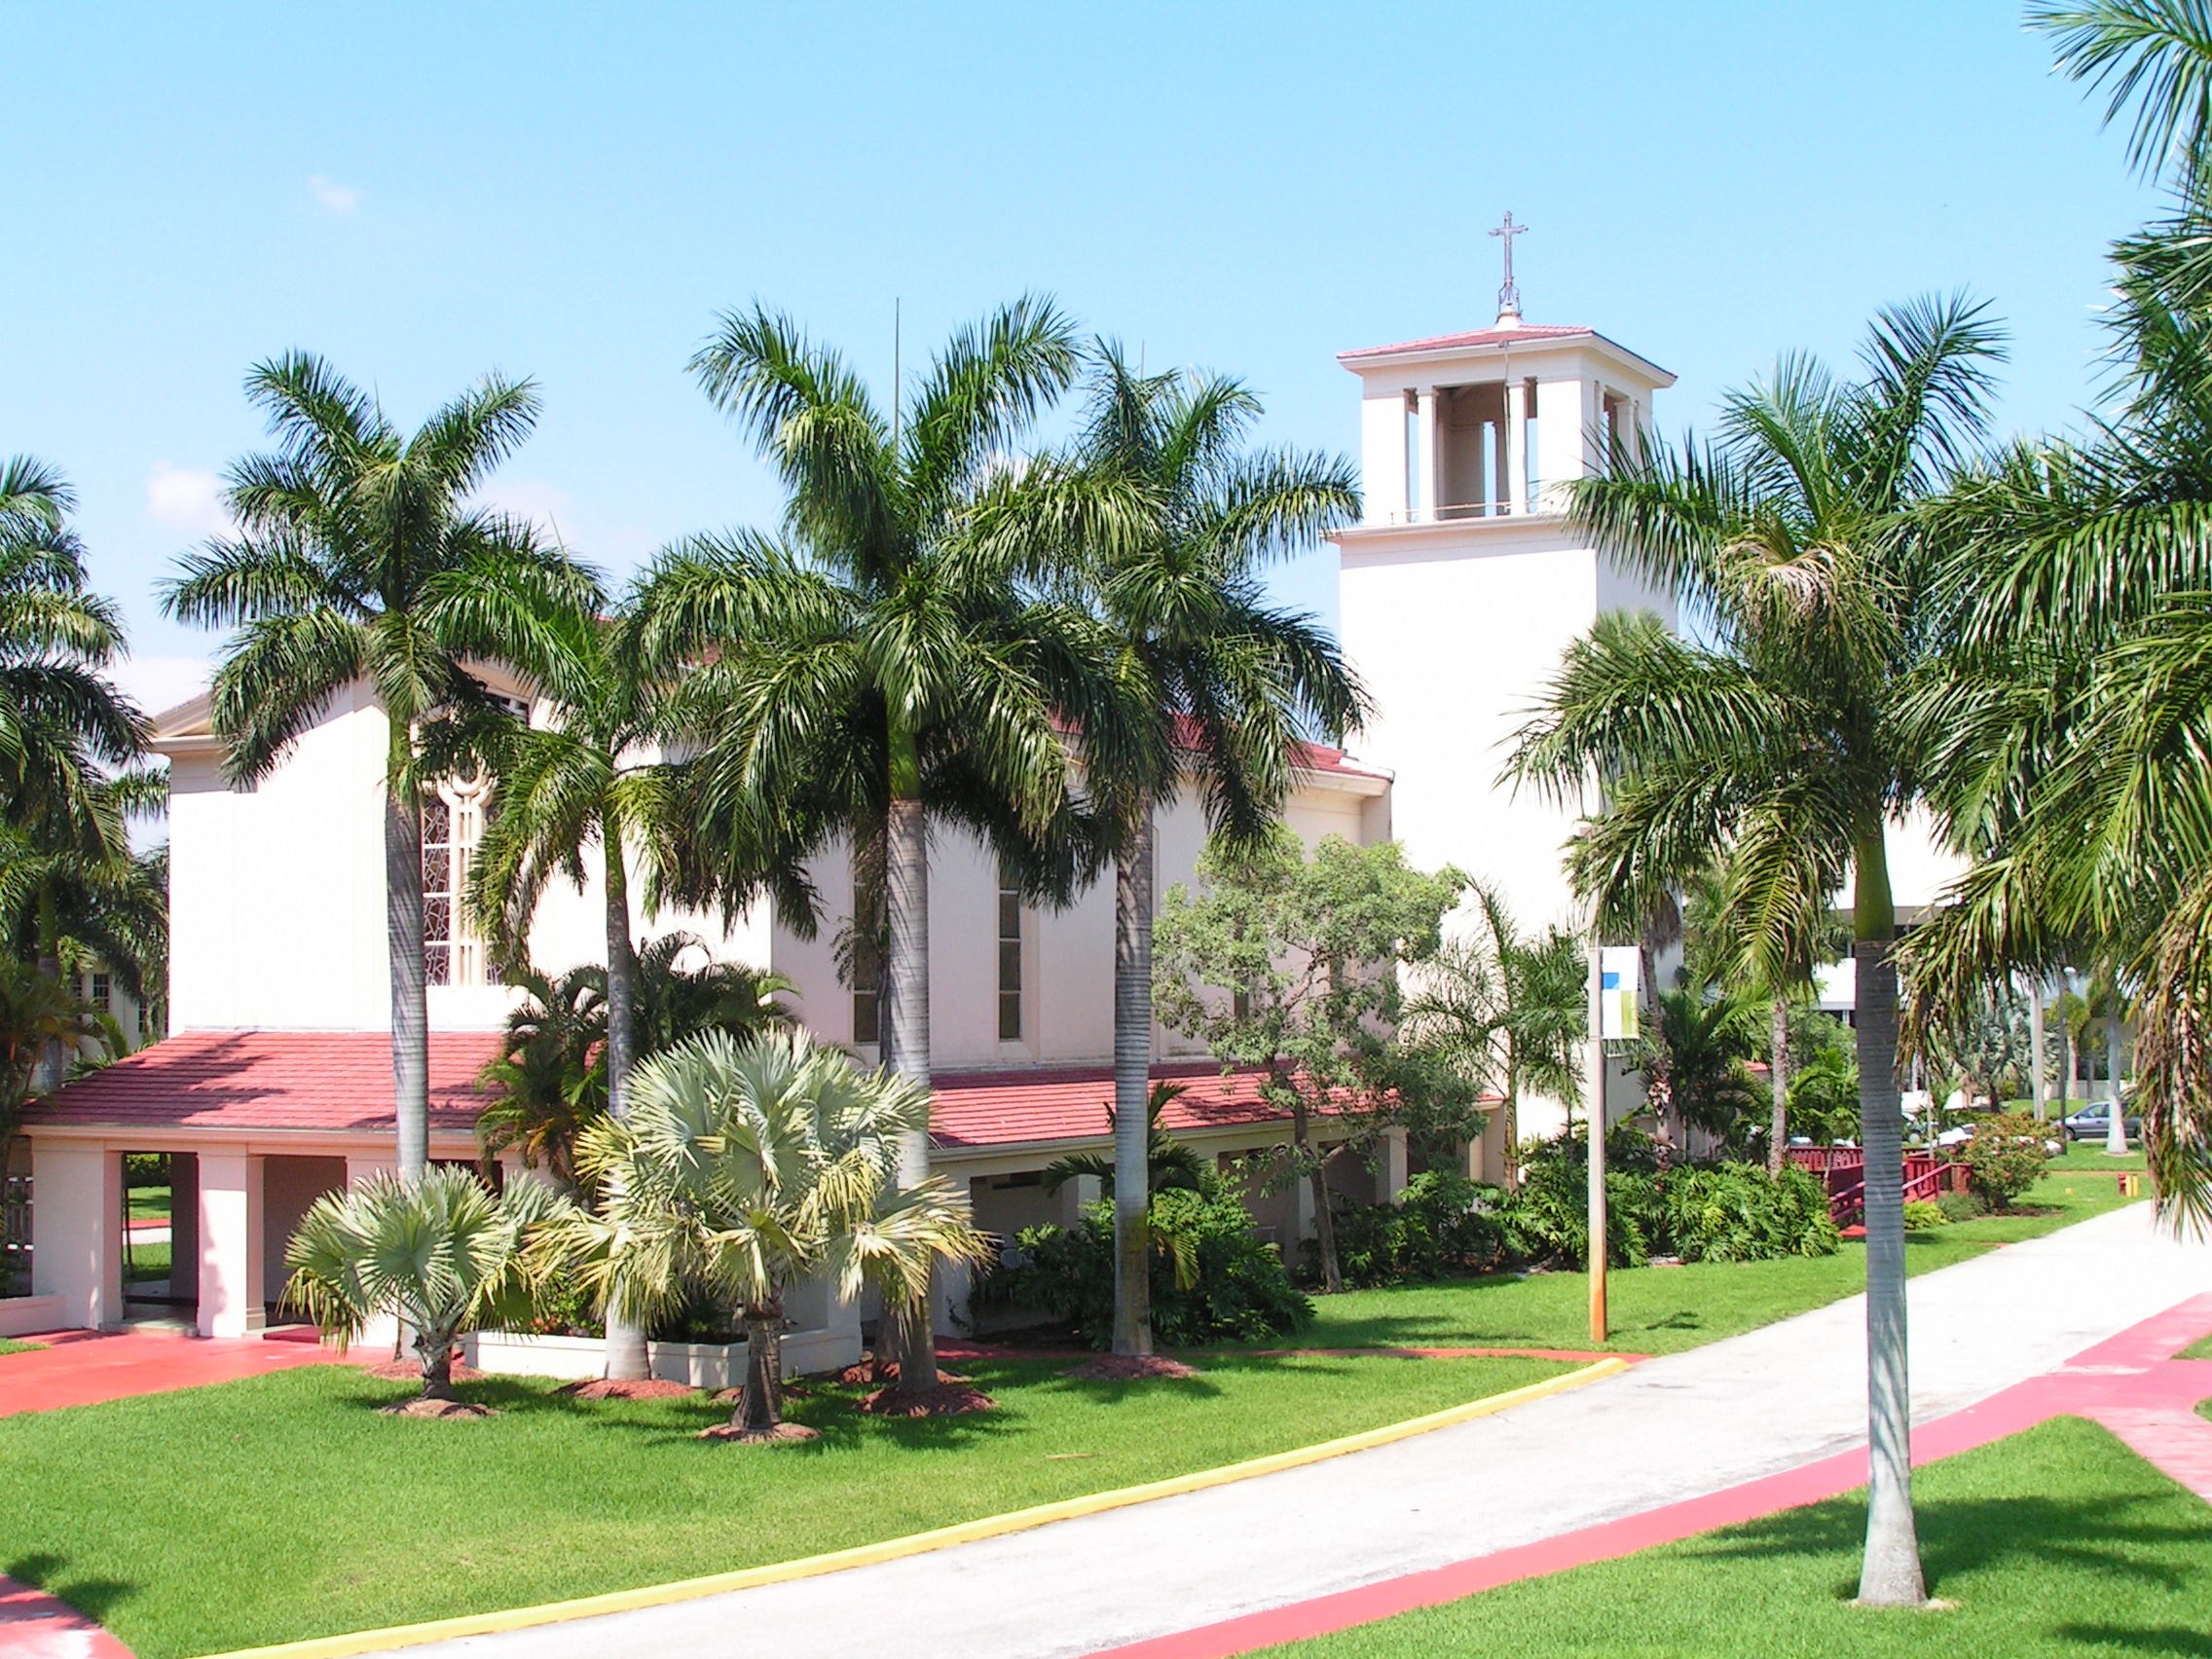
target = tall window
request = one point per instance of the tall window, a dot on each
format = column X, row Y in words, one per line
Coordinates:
column 868, row 975
column 1413, row 456
column 103, row 993
column 437, row 892
column 453, row 822
column 1009, row 954
column 1532, row 474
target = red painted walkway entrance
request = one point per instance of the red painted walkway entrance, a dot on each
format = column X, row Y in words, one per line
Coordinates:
column 2133, row 1384
column 83, row 1368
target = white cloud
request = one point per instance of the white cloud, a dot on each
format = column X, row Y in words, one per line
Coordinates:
column 160, row 682
column 186, row 499
column 338, row 198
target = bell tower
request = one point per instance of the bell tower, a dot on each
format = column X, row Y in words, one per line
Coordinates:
column 1462, row 585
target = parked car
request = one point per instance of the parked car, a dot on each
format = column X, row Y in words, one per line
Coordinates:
column 2094, row 1119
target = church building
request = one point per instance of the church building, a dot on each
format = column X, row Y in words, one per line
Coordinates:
column 1461, row 588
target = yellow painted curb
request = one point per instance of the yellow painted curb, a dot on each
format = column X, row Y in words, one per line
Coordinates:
column 915, row 1543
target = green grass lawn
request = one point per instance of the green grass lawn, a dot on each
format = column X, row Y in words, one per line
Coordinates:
column 150, row 1204
column 1666, row 1309
column 9, row 1344
column 284, row 1507
column 2056, row 1541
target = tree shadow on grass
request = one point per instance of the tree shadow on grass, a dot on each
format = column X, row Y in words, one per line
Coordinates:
column 94, row 1598
column 2138, row 1638
column 1965, row 1536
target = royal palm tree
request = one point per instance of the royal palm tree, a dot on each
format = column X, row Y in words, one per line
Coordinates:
column 2076, row 768
column 1778, row 744
column 1172, row 523
column 63, row 725
column 880, row 671
column 357, row 556
column 746, row 1167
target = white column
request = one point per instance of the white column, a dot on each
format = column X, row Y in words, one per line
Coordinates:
column 1074, row 1194
column 1428, row 457
column 383, row 1331
column 230, row 1244
column 1517, row 446
column 1390, row 1167
column 77, row 1230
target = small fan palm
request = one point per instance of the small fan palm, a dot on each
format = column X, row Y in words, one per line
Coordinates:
column 441, row 1253
column 745, row 1168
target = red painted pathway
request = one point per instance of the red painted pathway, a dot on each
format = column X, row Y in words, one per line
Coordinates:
column 2133, row 1384
column 83, row 1368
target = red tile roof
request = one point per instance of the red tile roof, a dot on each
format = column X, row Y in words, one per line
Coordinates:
column 1479, row 337
column 1013, row 1108
column 342, row 1080
column 270, row 1080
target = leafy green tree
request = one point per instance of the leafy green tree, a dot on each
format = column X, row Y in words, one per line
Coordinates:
column 1779, row 745
column 1509, row 1010
column 745, row 1168
column 38, row 1014
column 881, row 671
column 1294, row 966
column 441, row 1253
column 1172, row 523
column 357, row 556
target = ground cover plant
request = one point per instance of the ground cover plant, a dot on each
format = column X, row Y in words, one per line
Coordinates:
column 2056, row 1541
column 9, row 1344
column 556, row 1497
column 1666, row 1309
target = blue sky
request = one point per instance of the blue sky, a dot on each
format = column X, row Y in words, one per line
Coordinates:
column 422, row 192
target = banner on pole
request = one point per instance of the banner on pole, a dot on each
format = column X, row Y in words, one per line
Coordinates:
column 1620, row 968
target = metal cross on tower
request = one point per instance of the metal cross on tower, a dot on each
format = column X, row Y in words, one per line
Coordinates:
column 1510, row 296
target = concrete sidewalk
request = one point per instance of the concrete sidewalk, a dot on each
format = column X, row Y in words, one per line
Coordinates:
column 1675, row 1429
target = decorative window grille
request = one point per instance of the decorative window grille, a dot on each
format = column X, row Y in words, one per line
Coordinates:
column 453, row 824
column 1009, row 954
column 437, row 892
column 103, row 993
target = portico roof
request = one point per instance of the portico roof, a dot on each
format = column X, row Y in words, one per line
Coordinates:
column 340, row 1082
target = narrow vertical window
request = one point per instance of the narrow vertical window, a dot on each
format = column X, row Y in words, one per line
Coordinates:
column 1613, row 428
column 1413, row 456
column 867, row 974
column 437, row 892
column 1009, row 954
column 103, row 993
column 1533, row 479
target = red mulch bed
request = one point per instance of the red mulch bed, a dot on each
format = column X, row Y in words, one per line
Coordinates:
column 866, row 1373
column 629, row 1388
column 1130, row 1367
column 411, row 1371
column 420, row 1408
column 949, row 1398
column 783, row 1434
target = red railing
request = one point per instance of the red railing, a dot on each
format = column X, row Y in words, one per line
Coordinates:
column 1842, row 1170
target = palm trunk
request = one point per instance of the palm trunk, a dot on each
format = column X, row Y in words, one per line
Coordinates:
column 1510, row 1158
column 2116, row 1119
column 52, row 1057
column 2066, row 1083
column 436, row 1353
column 1598, row 1247
column 761, row 1408
column 1324, row 1224
column 1778, row 1063
column 1890, row 1576
column 628, row 1358
column 403, row 947
column 906, row 971
column 1132, row 1081
column 2038, row 1091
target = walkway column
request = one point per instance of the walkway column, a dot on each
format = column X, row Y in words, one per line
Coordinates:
column 230, row 1244
column 77, row 1230
column 1390, row 1167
